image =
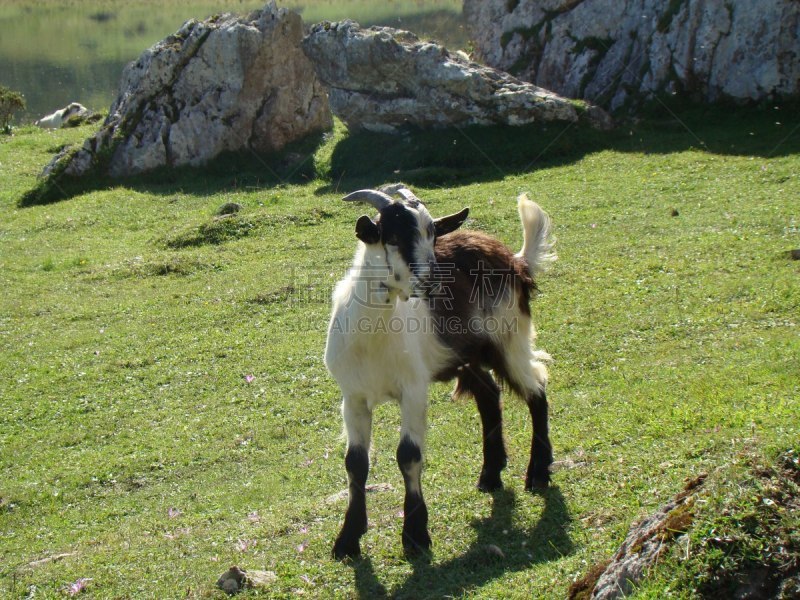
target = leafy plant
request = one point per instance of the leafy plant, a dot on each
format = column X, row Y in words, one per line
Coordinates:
column 10, row 102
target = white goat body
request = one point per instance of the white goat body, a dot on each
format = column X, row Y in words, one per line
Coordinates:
column 423, row 302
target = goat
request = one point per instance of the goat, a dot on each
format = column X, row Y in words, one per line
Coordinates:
column 422, row 303
column 61, row 116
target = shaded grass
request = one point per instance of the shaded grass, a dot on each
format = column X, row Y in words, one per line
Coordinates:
column 294, row 163
column 458, row 155
column 453, row 156
column 165, row 413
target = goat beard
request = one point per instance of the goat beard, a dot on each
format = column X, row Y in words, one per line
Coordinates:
column 397, row 292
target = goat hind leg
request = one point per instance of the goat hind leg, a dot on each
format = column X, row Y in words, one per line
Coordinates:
column 538, row 475
column 528, row 376
column 479, row 383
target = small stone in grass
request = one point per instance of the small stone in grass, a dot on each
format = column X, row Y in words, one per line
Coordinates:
column 494, row 551
column 229, row 208
column 234, row 580
column 674, row 212
column 260, row 580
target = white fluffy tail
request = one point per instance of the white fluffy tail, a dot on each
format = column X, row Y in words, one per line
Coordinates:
column 537, row 245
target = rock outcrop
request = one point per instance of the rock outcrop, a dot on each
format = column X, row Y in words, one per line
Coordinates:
column 619, row 53
column 224, row 84
column 384, row 79
column 645, row 543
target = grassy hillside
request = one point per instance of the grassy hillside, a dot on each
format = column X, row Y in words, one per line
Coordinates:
column 165, row 413
column 114, row 30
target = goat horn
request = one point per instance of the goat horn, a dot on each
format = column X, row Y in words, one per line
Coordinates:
column 408, row 195
column 401, row 189
column 378, row 200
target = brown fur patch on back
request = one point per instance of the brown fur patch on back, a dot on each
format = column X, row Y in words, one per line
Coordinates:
column 475, row 255
column 476, row 272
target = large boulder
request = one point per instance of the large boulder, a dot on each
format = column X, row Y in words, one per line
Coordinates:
column 619, row 53
column 384, row 79
column 224, row 84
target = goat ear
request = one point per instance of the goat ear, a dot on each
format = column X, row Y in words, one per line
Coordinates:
column 367, row 230
column 450, row 223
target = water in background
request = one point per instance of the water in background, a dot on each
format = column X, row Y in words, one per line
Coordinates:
column 74, row 51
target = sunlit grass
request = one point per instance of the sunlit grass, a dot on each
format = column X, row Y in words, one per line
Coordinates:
column 165, row 413
column 113, row 29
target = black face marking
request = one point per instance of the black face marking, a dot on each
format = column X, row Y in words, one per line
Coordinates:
column 399, row 228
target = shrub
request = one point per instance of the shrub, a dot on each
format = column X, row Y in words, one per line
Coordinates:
column 10, row 102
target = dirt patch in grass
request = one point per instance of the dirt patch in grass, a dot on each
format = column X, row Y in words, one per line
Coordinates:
column 229, row 227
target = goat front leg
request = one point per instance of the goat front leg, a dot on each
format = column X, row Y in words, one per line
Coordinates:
column 358, row 424
column 416, row 538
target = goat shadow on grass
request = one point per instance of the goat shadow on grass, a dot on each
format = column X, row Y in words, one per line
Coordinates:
column 547, row 540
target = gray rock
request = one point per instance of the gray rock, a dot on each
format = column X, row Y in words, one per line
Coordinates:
column 229, row 208
column 618, row 53
column 383, row 79
column 645, row 543
column 224, row 84
column 235, row 580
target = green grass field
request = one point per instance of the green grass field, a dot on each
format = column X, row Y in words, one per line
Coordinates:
column 112, row 29
column 165, row 412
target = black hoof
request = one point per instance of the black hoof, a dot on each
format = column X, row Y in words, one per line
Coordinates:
column 537, row 482
column 344, row 548
column 417, row 545
column 490, row 482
